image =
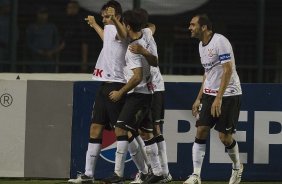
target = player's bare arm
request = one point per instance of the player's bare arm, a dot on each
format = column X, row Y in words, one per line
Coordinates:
column 92, row 23
column 122, row 34
column 227, row 72
column 197, row 102
column 132, row 83
column 152, row 27
column 138, row 49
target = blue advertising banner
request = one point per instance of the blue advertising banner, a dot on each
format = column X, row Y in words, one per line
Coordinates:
column 259, row 134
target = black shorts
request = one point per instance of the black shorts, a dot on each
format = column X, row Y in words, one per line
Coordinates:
column 135, row 109
column 156, row 113
column 157, row 108
column 227, row 121
column 105, row 111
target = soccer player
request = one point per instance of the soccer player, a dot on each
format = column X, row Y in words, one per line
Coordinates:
column 219, row 95
column 157, row 106
column 157, row 112
column 138, row 99
column 108, row 70
column 157, row 118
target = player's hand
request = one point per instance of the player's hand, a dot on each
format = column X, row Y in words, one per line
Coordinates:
column 90, row 20
column 137, row 49
column 216, row 107
column 195, row 107
column 115, row 96
column 111, row 12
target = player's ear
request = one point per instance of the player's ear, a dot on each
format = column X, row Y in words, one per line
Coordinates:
column 128, row 27
column 204, row 27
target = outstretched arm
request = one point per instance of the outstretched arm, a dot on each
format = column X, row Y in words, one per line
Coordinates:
column 92, row 22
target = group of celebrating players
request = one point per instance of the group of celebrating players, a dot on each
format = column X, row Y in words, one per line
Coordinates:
column 130, row 99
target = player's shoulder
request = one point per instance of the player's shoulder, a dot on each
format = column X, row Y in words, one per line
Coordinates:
column 147, row 31
column 147, row 34
column 141, row 41
column 110, row 29
column 220, row 38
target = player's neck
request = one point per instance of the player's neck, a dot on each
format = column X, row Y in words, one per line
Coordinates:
column 135, row 35
column 207, row 37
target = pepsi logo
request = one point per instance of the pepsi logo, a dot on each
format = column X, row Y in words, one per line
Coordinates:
column 109, row 147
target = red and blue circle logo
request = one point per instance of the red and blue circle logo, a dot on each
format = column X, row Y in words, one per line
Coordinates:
column 109, row 147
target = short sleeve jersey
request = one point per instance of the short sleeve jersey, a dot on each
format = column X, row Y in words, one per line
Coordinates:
column 111, row 61
column 213, row 55
column 138, row 61
column 157, row 79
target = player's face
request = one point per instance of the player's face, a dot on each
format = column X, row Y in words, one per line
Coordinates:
column 195, row 28
column 106, row 18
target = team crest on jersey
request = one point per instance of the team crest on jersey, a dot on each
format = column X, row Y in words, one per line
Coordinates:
column 109, row 147
column 210, row 53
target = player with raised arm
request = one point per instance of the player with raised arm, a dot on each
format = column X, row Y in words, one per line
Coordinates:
column 157, row 106
column 138, row 99
column 108, row 70
column 219, row 95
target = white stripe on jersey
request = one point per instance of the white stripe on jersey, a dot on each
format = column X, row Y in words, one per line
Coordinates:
column 213, row 55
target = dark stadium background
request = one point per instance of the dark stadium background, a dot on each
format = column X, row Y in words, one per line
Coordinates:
column 252, row 26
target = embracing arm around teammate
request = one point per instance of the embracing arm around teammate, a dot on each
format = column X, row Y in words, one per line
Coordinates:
column 138, row 49
column 133, row 82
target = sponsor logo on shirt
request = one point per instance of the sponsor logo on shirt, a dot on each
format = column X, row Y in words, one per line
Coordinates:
column 224, row 57
column 207, row 90
column 207, row 66
column 98, row 72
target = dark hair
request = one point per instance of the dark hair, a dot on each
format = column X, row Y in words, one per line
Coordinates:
column 114, row 4
column 144, row 15
column 133, row 19
column 204, row 20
